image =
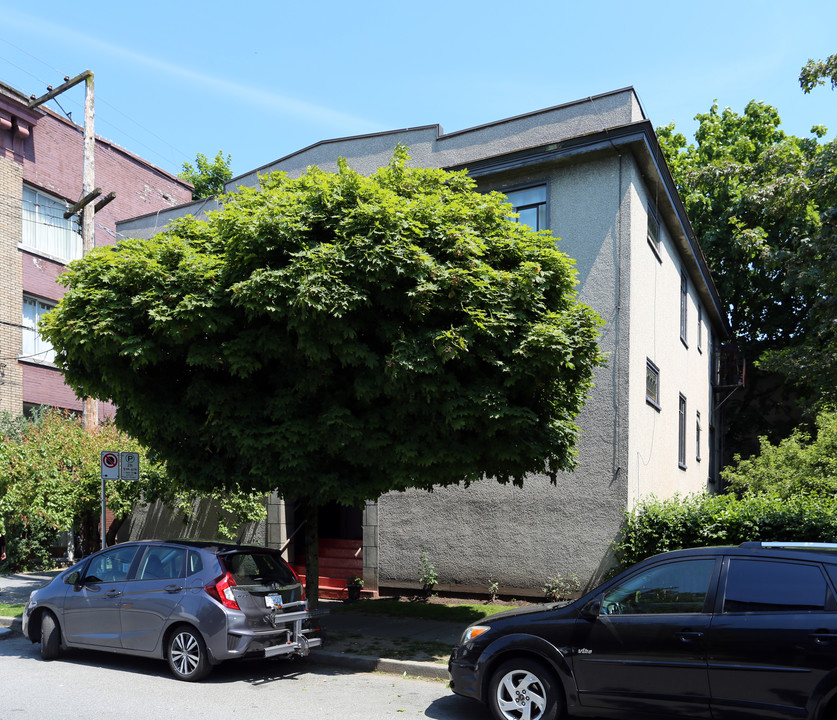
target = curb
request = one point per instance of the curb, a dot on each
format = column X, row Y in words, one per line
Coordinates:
column 370, row 663
column 14, row 624
column 361, row 663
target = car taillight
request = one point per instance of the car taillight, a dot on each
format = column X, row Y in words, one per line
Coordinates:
column 221, row 589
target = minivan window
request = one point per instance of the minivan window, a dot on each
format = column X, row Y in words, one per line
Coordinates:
column 770, row 586
column 678, row 587
column 258, row 568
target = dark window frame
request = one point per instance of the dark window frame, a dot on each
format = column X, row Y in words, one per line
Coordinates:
column 681, row 434
column 653, row 229
column 652, row 400
column 684, row 309
column 545, row 217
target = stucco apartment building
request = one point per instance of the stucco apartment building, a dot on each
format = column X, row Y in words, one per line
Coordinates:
column 590, row 171
column 41, row 165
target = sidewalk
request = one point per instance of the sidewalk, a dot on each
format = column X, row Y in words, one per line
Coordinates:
column 354, row 640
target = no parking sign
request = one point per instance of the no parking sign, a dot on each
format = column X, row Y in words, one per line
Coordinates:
column 110, row 465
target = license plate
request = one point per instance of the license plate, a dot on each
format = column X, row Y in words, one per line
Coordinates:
column 273, row 601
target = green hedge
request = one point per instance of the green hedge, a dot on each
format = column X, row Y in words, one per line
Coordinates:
column 657, row 526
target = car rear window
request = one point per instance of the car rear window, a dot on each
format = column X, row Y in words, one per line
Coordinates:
column 259, row 568
column 771, row 586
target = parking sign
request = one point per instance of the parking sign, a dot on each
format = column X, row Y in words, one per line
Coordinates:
column 129, row 465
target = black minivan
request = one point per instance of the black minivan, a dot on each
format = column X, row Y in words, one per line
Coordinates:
column 719, row 632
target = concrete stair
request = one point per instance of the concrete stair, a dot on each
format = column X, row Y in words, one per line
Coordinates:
column 339, row 560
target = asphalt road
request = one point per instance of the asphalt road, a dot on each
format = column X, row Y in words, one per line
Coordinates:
column 92, row 685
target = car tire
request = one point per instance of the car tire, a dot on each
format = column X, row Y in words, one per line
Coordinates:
column 186, row 653
column 525, row 688
column 50, row 637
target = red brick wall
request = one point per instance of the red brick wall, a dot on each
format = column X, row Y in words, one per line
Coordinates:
column 52, row 161
column 39, row 276
column 56, row 165
column 44, row 385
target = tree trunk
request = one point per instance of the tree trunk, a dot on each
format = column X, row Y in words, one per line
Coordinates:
column 88, row 535
column 117, row 523
column 312, row 554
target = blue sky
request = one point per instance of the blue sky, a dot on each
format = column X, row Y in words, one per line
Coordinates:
column 260, row 80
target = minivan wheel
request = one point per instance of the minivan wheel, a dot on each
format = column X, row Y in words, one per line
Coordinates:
column 50, row 636
column 186, row 653
column 524, row 689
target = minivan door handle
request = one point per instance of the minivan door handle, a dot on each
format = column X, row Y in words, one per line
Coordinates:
column 688, row 636
column 112, row 594
column 823, row 637
column 173, row 589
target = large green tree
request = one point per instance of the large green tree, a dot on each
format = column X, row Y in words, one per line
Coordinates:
column 762, row 203
column 338, row 336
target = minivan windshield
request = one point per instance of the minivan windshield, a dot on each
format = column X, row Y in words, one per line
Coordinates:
column 259, row 568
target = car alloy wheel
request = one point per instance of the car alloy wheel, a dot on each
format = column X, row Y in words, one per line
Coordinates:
column 187, row 654
column 524, row 690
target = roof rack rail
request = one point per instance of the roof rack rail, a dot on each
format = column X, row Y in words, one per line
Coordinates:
column 790, row 545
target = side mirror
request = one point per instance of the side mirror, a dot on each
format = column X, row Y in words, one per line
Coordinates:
column 72, row 578
column 592, row 609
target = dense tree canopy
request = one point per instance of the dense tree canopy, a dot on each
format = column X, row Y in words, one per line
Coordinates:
column 207, row 177
column 763, row 205
column 337, row 336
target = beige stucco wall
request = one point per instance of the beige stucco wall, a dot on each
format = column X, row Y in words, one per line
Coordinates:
column 684, row 368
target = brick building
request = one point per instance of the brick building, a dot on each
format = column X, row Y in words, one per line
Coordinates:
column 41, row 164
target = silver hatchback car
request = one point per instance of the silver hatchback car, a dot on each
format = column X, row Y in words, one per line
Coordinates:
column 192, row 603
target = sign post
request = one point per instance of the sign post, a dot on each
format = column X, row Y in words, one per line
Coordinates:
column 116, row 465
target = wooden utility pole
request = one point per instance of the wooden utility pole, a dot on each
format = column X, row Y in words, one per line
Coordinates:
column 91, row 405
column 89, row 193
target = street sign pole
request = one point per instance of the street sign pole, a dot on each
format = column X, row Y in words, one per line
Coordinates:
column 109, row 463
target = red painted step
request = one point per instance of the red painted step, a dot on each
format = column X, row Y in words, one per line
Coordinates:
column 339, row 560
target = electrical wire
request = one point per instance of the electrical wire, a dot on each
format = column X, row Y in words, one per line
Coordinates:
column 99, row 99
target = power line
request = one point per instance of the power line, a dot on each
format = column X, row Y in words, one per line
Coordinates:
column 184, row 156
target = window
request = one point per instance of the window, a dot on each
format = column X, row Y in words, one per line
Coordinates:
column 35, row 348
column 654, row 230
column 761, row 586
column 676, row 587
column 652, row 384
column 162, row 563
column 681, row 452
column 684, row 300
column 44, row 228
column 530, row 204
column 112, row 566
column 700, row 328
column 697, row 435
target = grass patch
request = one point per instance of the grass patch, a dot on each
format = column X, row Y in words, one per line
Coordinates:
column 11, row 610
column 455, row 612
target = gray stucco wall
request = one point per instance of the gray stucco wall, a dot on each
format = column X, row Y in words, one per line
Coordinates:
column 521, row 537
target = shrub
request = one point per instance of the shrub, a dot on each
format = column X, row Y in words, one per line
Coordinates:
column 800, row 464
column 657, row 526
column 558, row 587
column 28, row 545
column 427, row 574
